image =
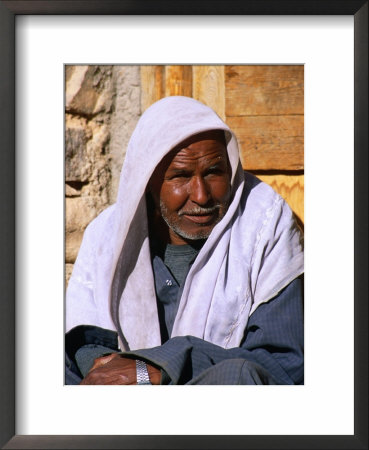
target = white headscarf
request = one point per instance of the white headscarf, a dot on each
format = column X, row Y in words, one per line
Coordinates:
column 250, row 255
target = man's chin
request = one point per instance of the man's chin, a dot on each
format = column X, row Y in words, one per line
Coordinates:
column 189, row 230
column 193, row 235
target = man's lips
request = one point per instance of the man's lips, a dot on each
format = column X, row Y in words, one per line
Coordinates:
column 205, row 218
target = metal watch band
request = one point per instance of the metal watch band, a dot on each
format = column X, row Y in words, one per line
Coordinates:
column 142, row 373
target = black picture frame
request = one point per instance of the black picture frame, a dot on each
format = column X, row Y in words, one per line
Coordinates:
column 8, row 11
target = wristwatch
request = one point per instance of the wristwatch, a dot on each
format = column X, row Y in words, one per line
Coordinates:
column 142, row 373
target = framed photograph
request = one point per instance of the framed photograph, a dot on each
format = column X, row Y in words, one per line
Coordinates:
column 105, row 105
column 40, row 39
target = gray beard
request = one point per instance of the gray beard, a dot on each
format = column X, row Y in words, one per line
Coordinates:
column 201, row 234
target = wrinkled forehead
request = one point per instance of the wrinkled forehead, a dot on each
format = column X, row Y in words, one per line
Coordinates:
column 172, row 155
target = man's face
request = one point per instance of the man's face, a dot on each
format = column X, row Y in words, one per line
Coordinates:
column 191, row 187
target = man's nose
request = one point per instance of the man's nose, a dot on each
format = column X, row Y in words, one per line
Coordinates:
column 199, row 192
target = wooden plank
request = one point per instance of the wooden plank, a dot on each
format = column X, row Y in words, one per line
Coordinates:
column 178, row 80
column 291, row 188
column 208, row 87
column 152, row 85
column 270, row 142
column 264, row 90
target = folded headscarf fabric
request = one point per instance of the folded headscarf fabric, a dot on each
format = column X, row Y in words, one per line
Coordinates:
column 251, row 254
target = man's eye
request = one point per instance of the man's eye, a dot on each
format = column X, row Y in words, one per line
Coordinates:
column 215, row 171
column 179, row 176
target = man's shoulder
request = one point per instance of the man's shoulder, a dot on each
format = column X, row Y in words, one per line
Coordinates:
column 260, row 193
column 253, row 182
column 102, row 221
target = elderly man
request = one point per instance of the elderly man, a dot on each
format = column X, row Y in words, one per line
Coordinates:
column 194, row 275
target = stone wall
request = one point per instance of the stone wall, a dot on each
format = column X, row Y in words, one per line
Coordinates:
column 102, row 107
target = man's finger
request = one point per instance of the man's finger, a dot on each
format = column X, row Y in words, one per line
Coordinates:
column 103, row 360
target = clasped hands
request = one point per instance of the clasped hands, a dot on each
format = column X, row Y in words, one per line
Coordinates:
column 116, row 369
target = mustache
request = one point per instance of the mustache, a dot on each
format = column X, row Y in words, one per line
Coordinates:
column 199, row 211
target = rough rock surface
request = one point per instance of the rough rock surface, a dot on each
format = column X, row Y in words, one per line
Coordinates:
column 102, row 106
